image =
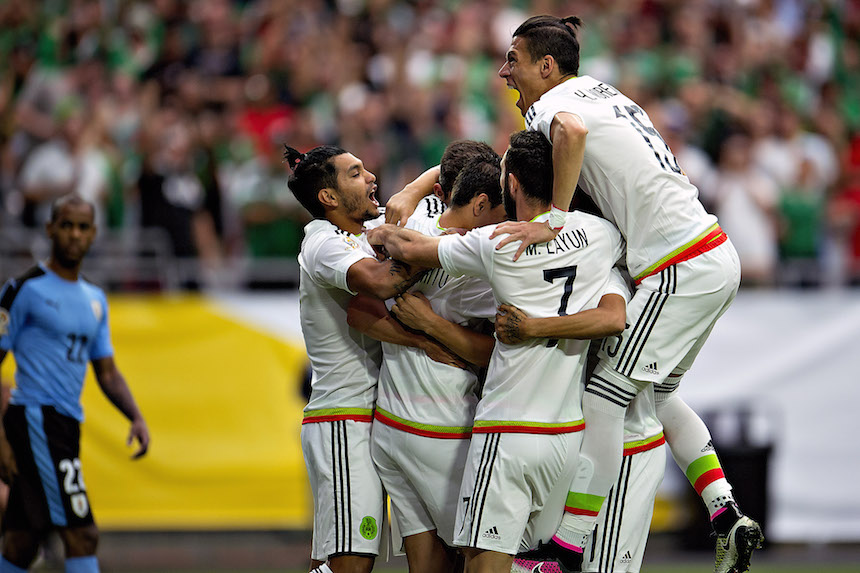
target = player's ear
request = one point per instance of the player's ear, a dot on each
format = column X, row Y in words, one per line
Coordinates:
column 547, row 66
column 480, row 204
column 437, row 190
column 328, row 198
column 513, row 184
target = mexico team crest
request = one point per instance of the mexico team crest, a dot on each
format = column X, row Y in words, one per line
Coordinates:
column 368, row 527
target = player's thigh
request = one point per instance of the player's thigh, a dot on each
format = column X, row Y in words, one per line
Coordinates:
column 621, row 529
column 508, row 479
column 348, row 498
column 435, row 467
column 49, row 490
column 671, row 314
column 425, row 475
column 544, row 521
column 390, row 449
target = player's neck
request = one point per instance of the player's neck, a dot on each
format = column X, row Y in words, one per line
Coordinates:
column 528, row 212
column 456, row 218
column 348, row 224
column 69, row 274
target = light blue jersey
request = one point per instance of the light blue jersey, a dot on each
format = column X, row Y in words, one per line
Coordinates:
column 53, row 327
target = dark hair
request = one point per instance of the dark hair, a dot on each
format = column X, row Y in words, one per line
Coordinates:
column 478, row 176
column 311, row 172
column 556, row 37
column 529, row 157
column 69, row 199
column 456, row 156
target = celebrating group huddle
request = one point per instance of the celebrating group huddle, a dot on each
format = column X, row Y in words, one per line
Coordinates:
column 505, row 445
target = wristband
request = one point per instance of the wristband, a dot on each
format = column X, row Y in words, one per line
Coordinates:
column 557, row 218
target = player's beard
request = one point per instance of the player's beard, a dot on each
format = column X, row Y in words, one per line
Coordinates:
column 365, row 211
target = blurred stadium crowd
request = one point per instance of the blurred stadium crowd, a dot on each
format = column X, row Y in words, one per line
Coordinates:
column 170, row 114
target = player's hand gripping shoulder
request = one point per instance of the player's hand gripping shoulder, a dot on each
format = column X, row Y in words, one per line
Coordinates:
column 378, row 235
column 406, row 245
column 511, row 324
column 528, row 233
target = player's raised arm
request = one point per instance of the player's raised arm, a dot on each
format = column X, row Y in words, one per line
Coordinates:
column 567, row 135
column 114, row 386
column 402, row 204
column 513, row 326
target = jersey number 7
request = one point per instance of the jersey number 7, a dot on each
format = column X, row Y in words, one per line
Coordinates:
column 569, row 273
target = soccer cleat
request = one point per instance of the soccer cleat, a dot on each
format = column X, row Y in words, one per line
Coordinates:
column 523, row 565
column 735, row 548
column 547, row 558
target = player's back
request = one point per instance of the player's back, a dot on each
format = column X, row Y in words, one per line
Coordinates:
column 628, row 169
column 536, row 385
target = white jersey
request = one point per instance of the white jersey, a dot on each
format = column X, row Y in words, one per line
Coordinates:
column 417, row 394
column 536, row 386
column 629, row 171
column 345, row 362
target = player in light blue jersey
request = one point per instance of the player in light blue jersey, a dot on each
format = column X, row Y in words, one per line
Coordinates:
column 54, row 323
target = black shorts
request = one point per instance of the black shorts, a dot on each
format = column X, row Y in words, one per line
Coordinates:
column 48, row 490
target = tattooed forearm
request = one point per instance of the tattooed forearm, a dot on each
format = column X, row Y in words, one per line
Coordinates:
column 405, row 275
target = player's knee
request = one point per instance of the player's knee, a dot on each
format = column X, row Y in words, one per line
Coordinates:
column 351, row 564
column 80, row 541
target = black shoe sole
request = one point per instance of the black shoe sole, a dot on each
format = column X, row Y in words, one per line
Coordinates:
column 747, row 539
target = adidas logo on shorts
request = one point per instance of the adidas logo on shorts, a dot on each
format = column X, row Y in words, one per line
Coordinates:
column 651, row 368
column 492, row 533
column 626, row 558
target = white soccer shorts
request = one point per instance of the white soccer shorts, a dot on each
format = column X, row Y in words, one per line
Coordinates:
column 514, row 489
column 672, row 314
column 422, row 478
column 617, row 544
column 348, row 497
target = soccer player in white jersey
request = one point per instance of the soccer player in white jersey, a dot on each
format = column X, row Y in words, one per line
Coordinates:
column 528, row 422
column 617, row 544
column 336, row 263
column 425, row 409
column 685, row 268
